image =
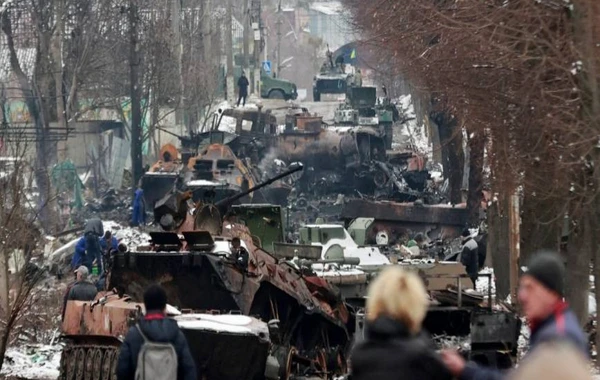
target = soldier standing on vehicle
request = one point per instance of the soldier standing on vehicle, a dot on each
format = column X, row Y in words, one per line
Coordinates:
column 155, row 348
column 242, row 89
column 358, row 78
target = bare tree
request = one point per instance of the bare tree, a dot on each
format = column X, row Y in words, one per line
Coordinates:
column 18, row 238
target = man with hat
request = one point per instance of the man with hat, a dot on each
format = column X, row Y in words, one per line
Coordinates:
column 541, row 291
column 80, row 290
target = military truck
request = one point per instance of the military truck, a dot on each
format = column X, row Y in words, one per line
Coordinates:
column 271, row 87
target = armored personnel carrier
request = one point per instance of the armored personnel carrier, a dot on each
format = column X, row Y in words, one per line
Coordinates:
column 194, row 259
column 331, row 79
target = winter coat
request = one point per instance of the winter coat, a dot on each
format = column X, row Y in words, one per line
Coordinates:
column 157, row 328
column 114, row 244
column 82, row 291
column 243, row 85
column 86, row 251
column 562, row 325
column 139, row 208
column 390, row 351
column 469, row 257
column 77, row 259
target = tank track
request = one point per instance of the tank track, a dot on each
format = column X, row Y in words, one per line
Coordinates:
column 88, row 362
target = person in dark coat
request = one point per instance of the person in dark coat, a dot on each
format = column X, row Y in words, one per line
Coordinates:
column 469, row 256
column 541, row 291
column 394, row 346
column 239, row 254
column 158, row 328
column 83, row 289
column 242, row 89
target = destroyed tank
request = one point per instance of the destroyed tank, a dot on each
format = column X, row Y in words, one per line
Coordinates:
column 216, row 173
column 192, row 259
column 162, row 176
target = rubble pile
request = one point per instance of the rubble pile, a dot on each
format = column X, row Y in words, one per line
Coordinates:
column 36, row 361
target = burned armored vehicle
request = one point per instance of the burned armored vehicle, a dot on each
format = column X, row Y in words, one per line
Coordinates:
column 195, row 260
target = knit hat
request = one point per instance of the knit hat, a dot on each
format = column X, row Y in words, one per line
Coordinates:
column 547, row 267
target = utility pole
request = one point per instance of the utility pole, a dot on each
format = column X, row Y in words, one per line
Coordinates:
column 247, row 34
column 135, row 93
column 229, row 48
column 256, row 27
column 279, row 38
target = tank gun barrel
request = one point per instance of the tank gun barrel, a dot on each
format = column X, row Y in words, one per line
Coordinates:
column 228, row 201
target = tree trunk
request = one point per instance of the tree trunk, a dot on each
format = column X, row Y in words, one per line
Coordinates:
column 476, row 149
column 229, row 51
column 578, row 269
column 56, row 48
column 33, row 102
column 498, row 246
column 135, row 91
column 452, row 153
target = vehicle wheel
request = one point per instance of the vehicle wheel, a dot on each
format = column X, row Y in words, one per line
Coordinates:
column 316, row 96
column 276, row 94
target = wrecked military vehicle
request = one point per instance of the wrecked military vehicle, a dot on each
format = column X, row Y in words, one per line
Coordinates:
column 194, row 261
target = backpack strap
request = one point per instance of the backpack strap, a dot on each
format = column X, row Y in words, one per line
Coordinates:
column 137, row 326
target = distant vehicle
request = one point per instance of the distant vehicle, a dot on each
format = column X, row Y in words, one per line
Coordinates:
column 273, row 88
column 331, row 79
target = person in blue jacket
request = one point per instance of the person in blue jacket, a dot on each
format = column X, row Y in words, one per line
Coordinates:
column 87, row 252
column 139, row 208
column 109, row 242
column 541, row 292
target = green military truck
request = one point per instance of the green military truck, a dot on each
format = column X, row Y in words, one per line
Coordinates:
column 272, row 88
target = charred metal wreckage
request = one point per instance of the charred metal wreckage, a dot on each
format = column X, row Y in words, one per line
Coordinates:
column 293, row 310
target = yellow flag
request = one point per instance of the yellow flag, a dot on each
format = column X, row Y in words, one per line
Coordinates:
column 353, row 54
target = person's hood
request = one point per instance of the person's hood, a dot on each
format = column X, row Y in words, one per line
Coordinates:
column 385, row 328
column 160, row 330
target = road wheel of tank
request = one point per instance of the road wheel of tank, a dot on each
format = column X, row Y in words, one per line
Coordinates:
column 69, row 365
column 106, row 364
column 97, row 364
column 113, row 364
column 89, row 364
column 79, row 363
column 276, row 94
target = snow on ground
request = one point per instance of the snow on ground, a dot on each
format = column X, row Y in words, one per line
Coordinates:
column 483, row 283
column 131, row 236
column 411, row 132
column 38, row 362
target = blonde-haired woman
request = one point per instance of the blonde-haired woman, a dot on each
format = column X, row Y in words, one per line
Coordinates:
column 394, row 347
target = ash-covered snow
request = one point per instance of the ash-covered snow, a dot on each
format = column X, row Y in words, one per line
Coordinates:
column 483, row 282
column 38, row 362
column 461, row 343
column 131, row 236
column 411, row 133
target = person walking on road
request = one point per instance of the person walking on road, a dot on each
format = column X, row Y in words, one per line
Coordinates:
column 155, row 348
column 394, row 346
column 242, row 89
column 541, row 292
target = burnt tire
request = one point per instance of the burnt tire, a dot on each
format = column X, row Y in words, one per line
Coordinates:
column 276, row 94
